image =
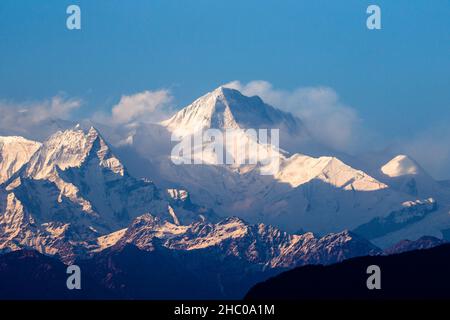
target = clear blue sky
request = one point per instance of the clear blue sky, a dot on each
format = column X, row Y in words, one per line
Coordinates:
column 397, row 78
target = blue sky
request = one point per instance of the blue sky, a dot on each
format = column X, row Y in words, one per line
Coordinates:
column 397, row 78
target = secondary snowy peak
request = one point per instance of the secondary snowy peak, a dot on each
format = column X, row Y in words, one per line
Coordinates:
column 70, row 149
column 401, row 165
column 15, row 152
column 406, row 175
column 226, row 108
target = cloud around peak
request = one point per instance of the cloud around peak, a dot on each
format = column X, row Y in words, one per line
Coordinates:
column 329, row 120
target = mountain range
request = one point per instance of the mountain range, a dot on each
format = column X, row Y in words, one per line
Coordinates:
column 78, row 198
column 305, row 190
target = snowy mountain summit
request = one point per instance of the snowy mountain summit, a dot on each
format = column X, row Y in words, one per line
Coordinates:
column 401, row 165
column 404, row 174
column 226, row 108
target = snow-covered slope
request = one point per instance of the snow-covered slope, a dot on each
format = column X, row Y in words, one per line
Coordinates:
column 14, row 153
column 411, row 213
column 435, row 223
column 330, row 170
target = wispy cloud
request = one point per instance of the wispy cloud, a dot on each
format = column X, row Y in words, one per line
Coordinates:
column 58, row 107
column 329, row 120
column 26, row 118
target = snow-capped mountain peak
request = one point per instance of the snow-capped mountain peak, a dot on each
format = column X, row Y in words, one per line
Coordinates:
column 226, row 108
column 404, row 174
column 70, row 149
column 401, row 165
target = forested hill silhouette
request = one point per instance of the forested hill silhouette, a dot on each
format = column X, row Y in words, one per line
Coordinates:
column 419, row 274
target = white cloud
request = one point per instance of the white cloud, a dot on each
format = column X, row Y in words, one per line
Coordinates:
column 143, row 106
column 330, row 121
